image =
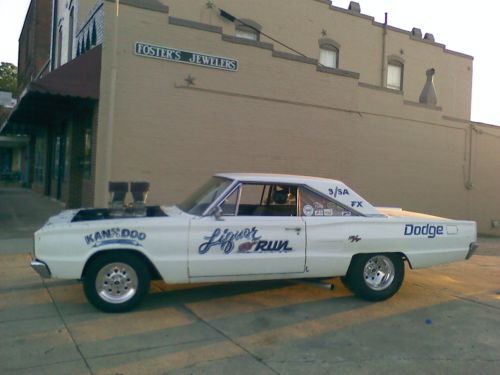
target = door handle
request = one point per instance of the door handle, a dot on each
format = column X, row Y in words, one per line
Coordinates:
column 297, row 229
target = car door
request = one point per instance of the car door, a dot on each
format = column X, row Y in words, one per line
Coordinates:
column 333, row 233
column 252, row 236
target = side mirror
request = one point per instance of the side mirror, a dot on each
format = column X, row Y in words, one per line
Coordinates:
column 217, row 213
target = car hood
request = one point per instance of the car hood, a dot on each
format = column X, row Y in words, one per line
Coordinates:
column 103, row 214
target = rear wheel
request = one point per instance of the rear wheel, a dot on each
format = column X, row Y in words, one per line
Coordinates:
column 375, row 277
column 116, row 282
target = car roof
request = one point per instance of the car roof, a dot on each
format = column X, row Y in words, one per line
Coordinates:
column 274, row 178
column 328, row 187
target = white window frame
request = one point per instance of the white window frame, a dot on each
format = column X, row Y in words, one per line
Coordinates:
column 329, row 52
column 247, row 29
column 328, row 57
column 395, row 74
column 244, row 34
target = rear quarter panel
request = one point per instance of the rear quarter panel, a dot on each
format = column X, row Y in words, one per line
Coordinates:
column 333, row 241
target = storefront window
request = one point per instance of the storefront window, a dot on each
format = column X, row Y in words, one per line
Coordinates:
column 87, row 151
column 40, row 153
column 55, row 157
column 67, row 157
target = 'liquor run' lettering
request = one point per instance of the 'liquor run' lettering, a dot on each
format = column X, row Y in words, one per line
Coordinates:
column 226, row 241
column 226, row 238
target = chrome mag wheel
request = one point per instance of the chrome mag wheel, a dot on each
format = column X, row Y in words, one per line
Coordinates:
column 376, row 276
column 116, row 282
column 379, row 272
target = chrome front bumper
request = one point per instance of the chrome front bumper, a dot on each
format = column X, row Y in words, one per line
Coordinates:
column 41, row 268
column 472, row 249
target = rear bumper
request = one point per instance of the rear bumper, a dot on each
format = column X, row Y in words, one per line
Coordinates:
column 472, row 249
column 41, row 268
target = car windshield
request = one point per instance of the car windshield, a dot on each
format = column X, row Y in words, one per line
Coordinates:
column 203, row 197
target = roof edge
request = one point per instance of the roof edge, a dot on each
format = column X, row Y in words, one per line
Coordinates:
column 153, row 5
column 393, row 28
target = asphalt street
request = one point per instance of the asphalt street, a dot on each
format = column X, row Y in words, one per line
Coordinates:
column 444, row 320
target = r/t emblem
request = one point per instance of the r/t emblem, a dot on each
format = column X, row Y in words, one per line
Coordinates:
column 354, row 238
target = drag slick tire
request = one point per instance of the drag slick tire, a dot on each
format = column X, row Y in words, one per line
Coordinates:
column 116, row 281
column 375, row 277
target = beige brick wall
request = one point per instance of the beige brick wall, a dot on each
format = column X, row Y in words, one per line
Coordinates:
column 298, row 23
column 277, row 115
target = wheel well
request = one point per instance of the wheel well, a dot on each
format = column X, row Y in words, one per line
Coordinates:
column 155, row 275
column 400, row 253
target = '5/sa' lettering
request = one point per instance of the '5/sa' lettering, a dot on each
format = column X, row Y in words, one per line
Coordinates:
column 338, row 191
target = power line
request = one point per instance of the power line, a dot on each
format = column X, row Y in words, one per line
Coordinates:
column 232, row 18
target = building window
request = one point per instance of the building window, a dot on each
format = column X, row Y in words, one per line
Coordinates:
column 247, row 29
column 395, row 69
column 40, row 154
column 251, row 35
column 59, row 47
column 87, row 149
column 328, row 57
column 329, row 53
column 67, row 156
column 70, row 34
column 93, row 41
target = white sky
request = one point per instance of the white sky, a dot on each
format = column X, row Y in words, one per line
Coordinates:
column 464, row 26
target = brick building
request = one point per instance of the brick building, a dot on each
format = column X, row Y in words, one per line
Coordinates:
column 33, row 63
column 58, row 78
column 176, row 90
column 34, row 44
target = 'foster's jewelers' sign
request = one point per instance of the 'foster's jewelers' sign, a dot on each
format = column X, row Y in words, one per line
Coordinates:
column 187, row 57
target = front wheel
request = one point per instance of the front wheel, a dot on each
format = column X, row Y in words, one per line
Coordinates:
column 116, row 282
column 375, row 277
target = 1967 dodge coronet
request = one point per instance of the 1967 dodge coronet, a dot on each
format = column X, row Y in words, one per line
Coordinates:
column 241, row 226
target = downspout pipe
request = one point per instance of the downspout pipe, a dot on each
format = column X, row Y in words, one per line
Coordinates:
column 111, row 106
column 384, row 43
column 469, row 185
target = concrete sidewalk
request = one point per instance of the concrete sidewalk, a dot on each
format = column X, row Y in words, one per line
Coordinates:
column 22, row 212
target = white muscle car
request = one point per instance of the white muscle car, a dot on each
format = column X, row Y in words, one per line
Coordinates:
column 241, row 226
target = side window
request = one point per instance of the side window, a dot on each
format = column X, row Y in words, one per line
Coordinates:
column 312, row 204
column 230, row 204
column 261, row 200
